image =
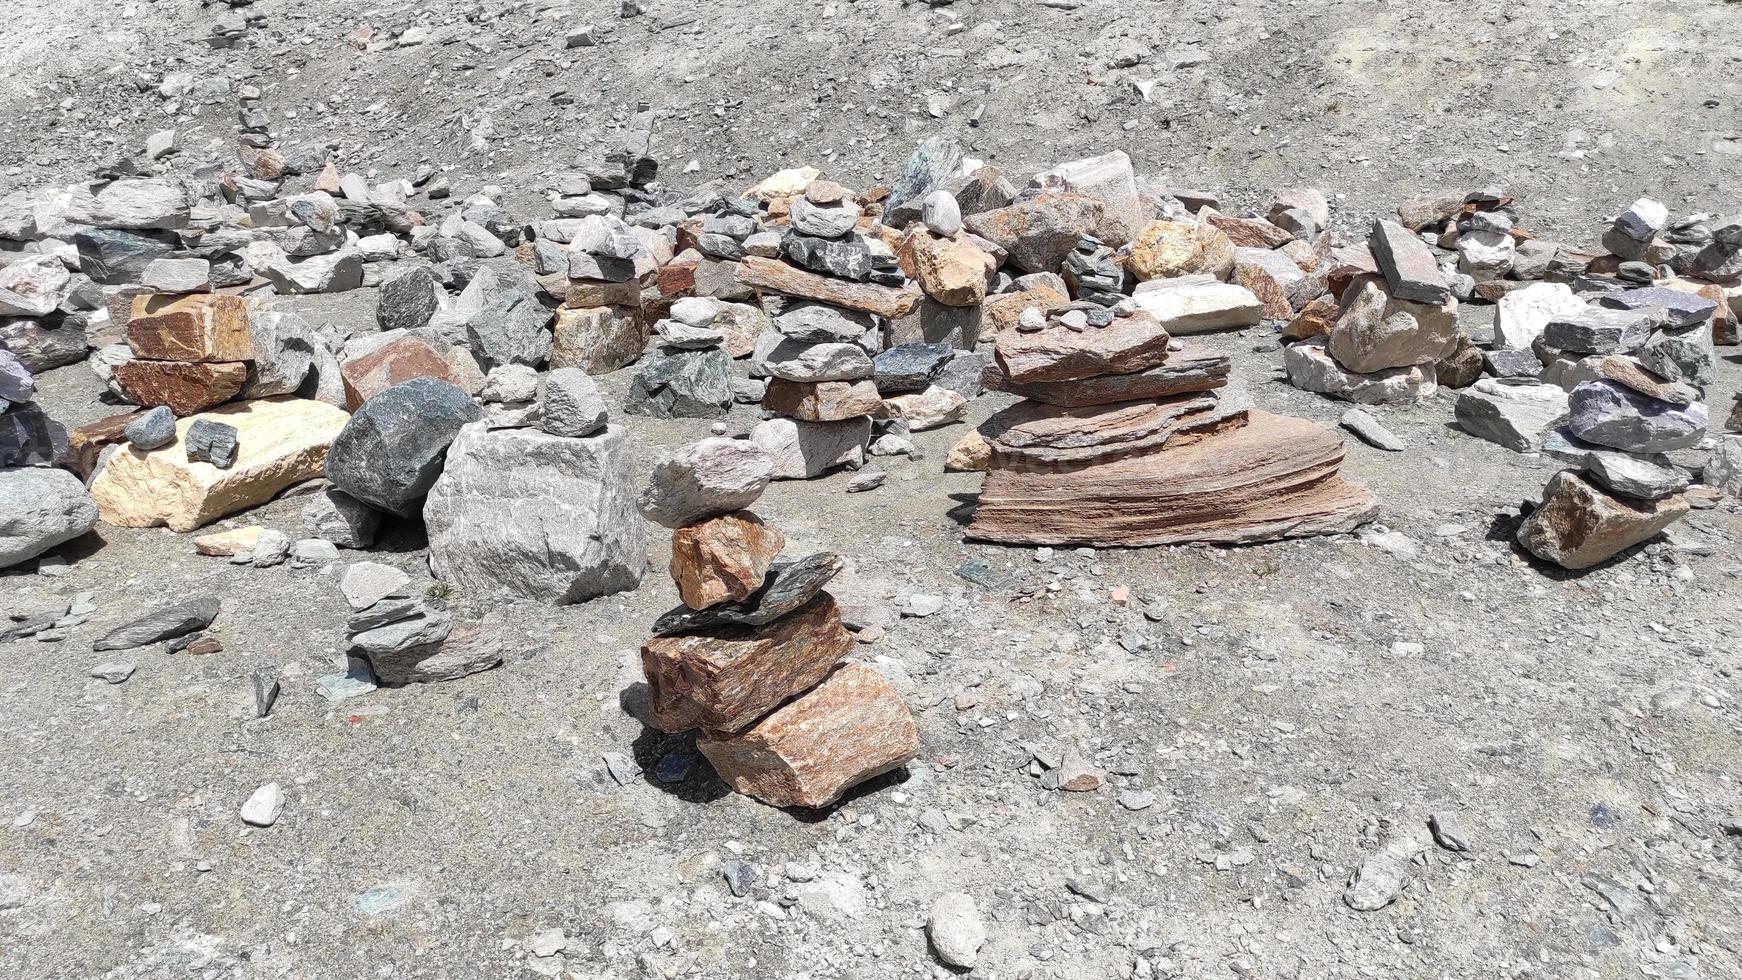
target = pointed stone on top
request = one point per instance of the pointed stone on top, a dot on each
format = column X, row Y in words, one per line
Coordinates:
column 1408, row 264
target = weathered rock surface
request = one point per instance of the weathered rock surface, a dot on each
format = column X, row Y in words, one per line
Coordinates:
column 1184, row 371
column 40, row 509
column 395, row 362
column 773, row 275
column 722, row 559
column 725, row 680
column 693, row 384
column 1578, row 525
column 522, row 514
column 1522, row 315
column 190, row 328
column 1132, row 343
column 1311, row 368
column 706, row 479
column 823, row 401
column 390, row 452
column 162, row 624
column 185, row 388
column 802, row 450
column 1039, row 232
column 1612, row 414
column 1377, row 331
column 1199, row 306
column 1516, row 416
column 850, row 728
column 600, row 339
column 787, row 586
column 280, row 442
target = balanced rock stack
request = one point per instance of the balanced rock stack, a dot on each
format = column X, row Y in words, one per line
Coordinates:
column 1395, row 319
column 1121, row 441
column 755, row 656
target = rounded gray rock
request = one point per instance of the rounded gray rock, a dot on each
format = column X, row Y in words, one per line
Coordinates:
column 391, row 451
column 153, row 430
column 706, row 479
column 39, row 509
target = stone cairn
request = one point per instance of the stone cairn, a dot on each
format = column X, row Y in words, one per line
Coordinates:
column 755, row 655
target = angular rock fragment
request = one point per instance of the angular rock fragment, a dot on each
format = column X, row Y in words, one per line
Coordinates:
column 1377, row 331
column 1184, row 371
column 390, row 452
column 722, row 559
column 1597, row 330
column 1612, row 414
column 599, row 340
column 190, row 328
column 822, row 401
column 725, row 680
column 162, row 624
column 786, row 587
column 706, row 479
column 802, row 450
column 772, row 275
column 1171, row 249
column 1133, row 343
column 1516, row 416
column 1408, row 264
column 336, row 516
column 1311, row 368
column 184, row 388
column 1578, row 525
column 1191, row 306
column 782, row 761
column 1040, row 231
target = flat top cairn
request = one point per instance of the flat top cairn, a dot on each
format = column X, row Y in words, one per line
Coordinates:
column 755, row 656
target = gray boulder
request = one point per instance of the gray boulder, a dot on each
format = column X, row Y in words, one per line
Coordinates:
column 1516, row 416
column 1611, row 414
column 695, row 384
column 1681, row 354
column 284, row 353
column 505, row 320
column 390, row 453
column 39, row 509
column 113, row 257
column 336, row 516
column 706, row 479
column 910, row 367
column 407, row 301
column 570, row 404
column 1597, row 330
column 523, row 514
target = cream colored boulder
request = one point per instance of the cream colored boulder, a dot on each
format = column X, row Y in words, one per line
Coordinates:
column 279, row 442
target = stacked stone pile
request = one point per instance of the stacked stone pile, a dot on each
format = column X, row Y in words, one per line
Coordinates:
column 1122, row 440
column 40, row 507
column 755, row 657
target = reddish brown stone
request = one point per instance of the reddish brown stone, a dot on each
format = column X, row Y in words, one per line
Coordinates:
column 1314, row 320
column 775, row 276
column 185, row 388
column 725, row 679
column 722, row 559
column 1131, row 343
column 1462, row 366
column 87, row 442
column 1000, row 312
column 1247, row 232
column 399, row 360
column 1259, row 281
column 825, row 401
column 677, row 278
column 201, row 328
column 851, row 728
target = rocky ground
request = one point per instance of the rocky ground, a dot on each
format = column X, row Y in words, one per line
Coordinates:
column 1268, row 719
column 1414, row 751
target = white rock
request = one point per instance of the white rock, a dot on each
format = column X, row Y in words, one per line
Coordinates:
column 1198, row 306
column 367, row 582
column 177, row 275
column 1521, row 315
column 956, row 929
column 264, row 806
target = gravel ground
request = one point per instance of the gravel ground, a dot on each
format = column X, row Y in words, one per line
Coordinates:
column 1280, row 714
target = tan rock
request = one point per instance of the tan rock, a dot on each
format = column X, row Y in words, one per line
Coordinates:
column 201, row 327
column 599, row 340
column 952, row 271
column 185, row 388
column 850, row 728
column 1579, row 525
column 589, row 293
column 971, row 454
column 775, row 276
column 397, row 361
column 1130, row 343
column 1272, row 478
column 1168, row 249
column 1376, row 330
column 1198, row 304
column 224, row 544
column 279, row 442
column 822, row 401
column 1314, row 320
column 924, row 410
column 722, row 559
column 726, row 679
column 1000, row 313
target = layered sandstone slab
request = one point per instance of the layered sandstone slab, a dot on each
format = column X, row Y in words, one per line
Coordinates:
column 1130, row 344
column 1184, row 371
column 850, row 728
column 1031, row 435
column 775, row 276
column 279, row 442
column 1272, row 478
column 725, row 679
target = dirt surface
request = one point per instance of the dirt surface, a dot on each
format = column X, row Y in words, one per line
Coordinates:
column 1268, row 719
column 1281, row 713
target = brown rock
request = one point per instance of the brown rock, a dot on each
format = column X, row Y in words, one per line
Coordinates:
column 1579, row 525
column 1187, row 370
column 778, row 277
column 1314, row 320
column 677, row 278
column 399, row 360
column 1000, row 313
column 1031, row 435
column 1246, row 232
column 1169, row 249
column 1630, row 372
column 726, row 679
column 1462, row 367
column 822, row 401
column 1301, row 254
column 279, row 442
column 952, row 271
column 1263, row 283
column 1429, row 210
column 1040, row 231
column 1272, row 478
column 722, row 559
column 589, row 293
column 200, row 327
column 971, row 454
column 1376, row 330
column 185, row 388
column 1132, row 343
column 599, row 340
column 850, row 728
column 87, row 442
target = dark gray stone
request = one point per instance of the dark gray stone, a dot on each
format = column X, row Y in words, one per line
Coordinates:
column 164, row 624
column 42, row 345
column 693, row 384
column 965, row 374
column 397, row 625
column 113, row 257
column 153, row 430
column 391, row 451
column 1681, row 355
column 1507, row 363
column 787, row 587
column 507, row 321
column 1611, row 414
column 336, row 516
column 846, row 258
column 1672, row 307
column 910, row 367
column 820, row 323
column 1598, row 330
column 406, row 302
column 933, row 162
column 211, row 442
column 28, row 437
